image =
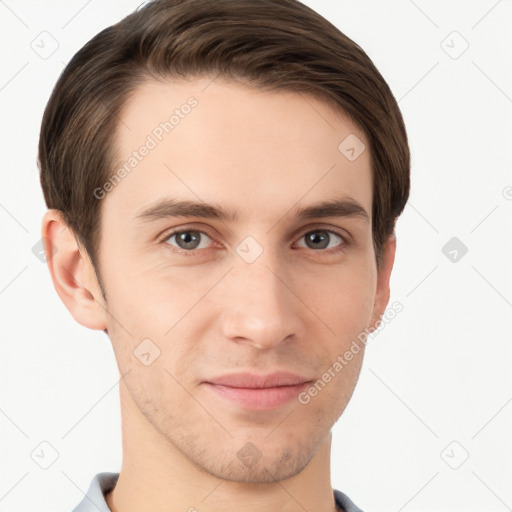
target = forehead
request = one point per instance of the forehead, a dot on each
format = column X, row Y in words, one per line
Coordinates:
column 250, row 150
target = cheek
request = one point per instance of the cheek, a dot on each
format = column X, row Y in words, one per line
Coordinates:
column 341, row 298
column 148, row 323
column 145, row 299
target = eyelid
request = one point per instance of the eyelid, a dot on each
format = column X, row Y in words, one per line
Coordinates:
column 344, row 235
column 180, row 229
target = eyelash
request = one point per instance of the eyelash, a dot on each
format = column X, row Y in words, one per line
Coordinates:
column 343, row 246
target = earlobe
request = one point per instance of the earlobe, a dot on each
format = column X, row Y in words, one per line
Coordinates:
column 72, row 272
column 383, row 276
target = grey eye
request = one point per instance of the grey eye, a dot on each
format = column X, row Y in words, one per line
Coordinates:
column 189, row 240
column 320, row 239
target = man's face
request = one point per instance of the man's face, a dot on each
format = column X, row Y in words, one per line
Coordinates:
column 268, row 291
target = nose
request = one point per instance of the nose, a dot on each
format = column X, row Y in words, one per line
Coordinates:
column 259, row 306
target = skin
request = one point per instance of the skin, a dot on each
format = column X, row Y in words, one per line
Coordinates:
column 295, row 308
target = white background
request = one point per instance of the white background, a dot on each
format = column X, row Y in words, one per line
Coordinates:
column 436, row 381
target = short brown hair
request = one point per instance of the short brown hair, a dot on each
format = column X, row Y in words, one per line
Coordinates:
column 269, row 44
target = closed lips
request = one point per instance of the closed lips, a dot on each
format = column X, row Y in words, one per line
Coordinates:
column 254, row 381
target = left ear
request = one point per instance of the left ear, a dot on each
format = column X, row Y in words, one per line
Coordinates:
column 383, row 276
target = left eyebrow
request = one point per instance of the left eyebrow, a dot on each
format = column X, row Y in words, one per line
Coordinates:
column 167, row 208
column 335, row 208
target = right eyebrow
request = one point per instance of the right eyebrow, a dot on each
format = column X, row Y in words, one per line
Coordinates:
column 166, row 208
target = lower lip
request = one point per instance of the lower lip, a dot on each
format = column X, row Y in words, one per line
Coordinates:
column 260, row 399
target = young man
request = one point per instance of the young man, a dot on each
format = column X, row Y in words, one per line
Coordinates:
column 223, row 180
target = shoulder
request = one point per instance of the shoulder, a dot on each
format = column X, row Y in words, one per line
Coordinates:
column 344, row 502
column 94, row 500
